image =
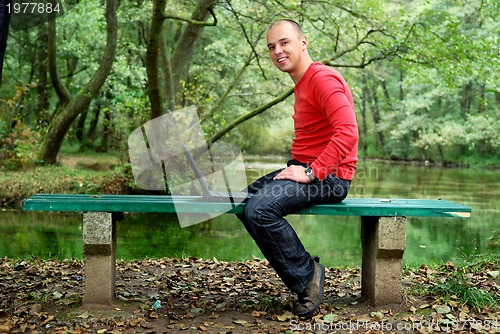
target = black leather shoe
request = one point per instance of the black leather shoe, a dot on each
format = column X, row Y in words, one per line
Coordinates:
column 310, row 299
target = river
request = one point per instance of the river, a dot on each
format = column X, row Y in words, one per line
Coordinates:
column 334, row 239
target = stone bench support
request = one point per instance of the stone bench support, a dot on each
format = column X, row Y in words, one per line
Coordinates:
column 383, row 240
column 99, row 252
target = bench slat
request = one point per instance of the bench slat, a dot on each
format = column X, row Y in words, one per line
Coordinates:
column 191, row 204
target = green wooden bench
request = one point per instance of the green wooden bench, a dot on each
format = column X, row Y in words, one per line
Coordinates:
column 383, row 233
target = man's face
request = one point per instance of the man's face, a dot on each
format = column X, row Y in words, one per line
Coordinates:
column 285, row 46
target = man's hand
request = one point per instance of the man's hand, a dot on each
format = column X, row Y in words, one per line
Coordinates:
column 295, row 173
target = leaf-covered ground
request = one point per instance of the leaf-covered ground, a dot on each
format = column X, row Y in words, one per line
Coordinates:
column 209, row 296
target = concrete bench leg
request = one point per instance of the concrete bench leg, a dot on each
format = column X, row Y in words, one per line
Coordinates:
column 383, row 240
column 99, row 251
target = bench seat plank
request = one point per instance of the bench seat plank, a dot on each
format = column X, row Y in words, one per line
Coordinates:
column 373, row 207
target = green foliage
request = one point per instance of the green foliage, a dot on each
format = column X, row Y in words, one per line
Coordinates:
column 425, row 72
column 18, row 141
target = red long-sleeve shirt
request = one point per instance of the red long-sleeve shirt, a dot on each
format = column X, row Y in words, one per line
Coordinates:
column 326, row 131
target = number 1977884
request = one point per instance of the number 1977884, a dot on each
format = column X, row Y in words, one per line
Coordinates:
column 33, row 8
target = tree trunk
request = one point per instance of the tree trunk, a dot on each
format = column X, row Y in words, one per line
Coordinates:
column 167, row 75
column 465, row 99
column 91, row 132
column 152, row 56
column 376, row 117
column 61, row 90
column 387, row 95
column 41, row 88
column 62, row 121
column 104, row 145
column 175, row 68
column 185, row 46
column 482, row 98
column 80, row 125
column 370, row 94
column 364, row 128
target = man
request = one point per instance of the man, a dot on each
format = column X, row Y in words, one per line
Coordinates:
column 324, row 156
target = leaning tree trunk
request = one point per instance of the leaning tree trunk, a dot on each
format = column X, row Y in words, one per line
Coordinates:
column 63, row 119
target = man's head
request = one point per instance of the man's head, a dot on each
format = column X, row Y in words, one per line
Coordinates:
column 294, row 25
column 287, row 47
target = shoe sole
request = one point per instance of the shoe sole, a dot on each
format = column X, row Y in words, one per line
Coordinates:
column 322, row 283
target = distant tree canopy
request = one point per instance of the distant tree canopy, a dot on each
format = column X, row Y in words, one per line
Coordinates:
column 424, row 74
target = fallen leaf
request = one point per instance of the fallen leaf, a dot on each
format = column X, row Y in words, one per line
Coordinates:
column 257, row 314
column 494, row 274
column 84, row 315
column 57, row 295
column 331, row 317
column 69, row 301
column 377, row 316
column 285, row 316
column 197, row 310
column 37, row 308
column 6, row 326
column 443, row 309
column 447, row 322
column 135, row 322
column 243, row 323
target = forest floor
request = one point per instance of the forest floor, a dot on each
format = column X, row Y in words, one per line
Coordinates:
column 209, row 296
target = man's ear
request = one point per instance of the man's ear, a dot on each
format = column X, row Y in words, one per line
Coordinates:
column 304, row 42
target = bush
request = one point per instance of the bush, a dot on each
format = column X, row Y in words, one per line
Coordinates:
column 18, row 148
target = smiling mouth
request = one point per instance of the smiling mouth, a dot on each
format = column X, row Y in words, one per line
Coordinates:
column 282, row 59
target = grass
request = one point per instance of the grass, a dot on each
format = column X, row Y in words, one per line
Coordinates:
column 457, row 286
column 471, row 282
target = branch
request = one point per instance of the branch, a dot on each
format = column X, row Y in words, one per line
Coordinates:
column 195, row 22
column 235, row 81
column 249, row 115
column 61, row 90
column 252, row 45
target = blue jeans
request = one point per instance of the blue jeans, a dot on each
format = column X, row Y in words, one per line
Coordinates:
column 276, row 238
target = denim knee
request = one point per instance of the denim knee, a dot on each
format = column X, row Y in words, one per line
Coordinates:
column 258, row 212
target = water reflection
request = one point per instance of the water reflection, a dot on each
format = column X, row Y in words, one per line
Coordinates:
column 334, row 239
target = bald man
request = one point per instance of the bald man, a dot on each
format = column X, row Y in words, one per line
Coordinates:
column 322, row 165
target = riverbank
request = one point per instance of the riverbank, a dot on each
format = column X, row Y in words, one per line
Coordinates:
column 18, row 185
column 83, row 173
column 210, row 296
column 90, row 178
